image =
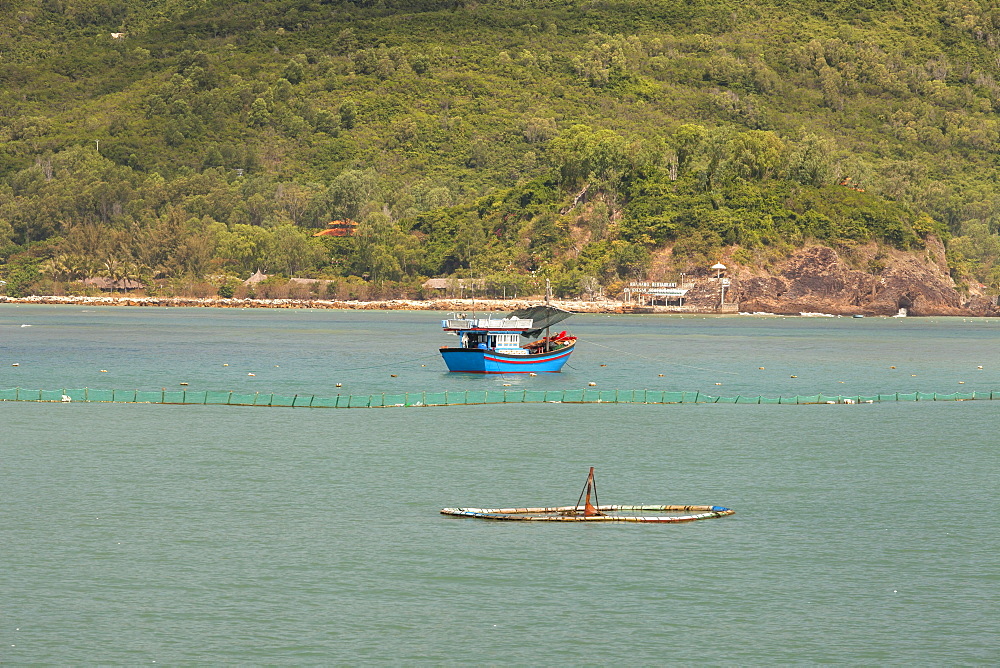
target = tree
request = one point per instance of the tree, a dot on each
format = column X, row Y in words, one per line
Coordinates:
column 756, row 155
column 291, row 250
column 348, row 114
column 21, row 276
column 809, row 162
column 687, row 141
column 350, row 191
column 259, row 115
column 383, row 250
column 295, row 69
column 246, row 248
column 469, row 239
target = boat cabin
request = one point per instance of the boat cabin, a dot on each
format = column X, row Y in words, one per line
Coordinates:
column 501, row 335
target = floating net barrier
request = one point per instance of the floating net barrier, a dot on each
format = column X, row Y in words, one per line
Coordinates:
column 459, row 398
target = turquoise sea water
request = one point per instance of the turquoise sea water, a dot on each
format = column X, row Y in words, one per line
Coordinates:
column 133, row 534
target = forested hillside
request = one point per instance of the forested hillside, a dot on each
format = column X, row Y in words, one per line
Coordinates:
column 187, row 143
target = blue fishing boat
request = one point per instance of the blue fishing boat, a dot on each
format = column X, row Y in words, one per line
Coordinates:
column 494, row 344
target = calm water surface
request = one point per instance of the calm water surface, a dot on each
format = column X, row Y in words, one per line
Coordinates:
column 134, row 534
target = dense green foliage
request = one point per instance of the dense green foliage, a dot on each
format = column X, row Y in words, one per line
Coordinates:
column 586, row 141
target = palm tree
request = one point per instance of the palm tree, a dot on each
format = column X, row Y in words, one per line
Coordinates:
column 113, row 269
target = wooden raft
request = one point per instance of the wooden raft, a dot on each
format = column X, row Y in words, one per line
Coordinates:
column 585, row 511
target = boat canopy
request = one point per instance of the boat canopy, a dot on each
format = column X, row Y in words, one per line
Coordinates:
column 541, row 317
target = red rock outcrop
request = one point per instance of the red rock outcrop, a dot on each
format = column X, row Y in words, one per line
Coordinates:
column 817, row 279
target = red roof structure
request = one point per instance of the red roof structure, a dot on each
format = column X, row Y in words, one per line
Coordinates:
column 339, row 228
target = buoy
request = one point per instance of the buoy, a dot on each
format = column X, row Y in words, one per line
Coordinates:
column 592, row 384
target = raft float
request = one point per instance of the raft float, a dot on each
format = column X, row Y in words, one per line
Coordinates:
column 585, row 511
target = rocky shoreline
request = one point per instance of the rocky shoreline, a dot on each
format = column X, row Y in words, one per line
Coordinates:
column 605, row 306
column 812, row 280
column 806, row 307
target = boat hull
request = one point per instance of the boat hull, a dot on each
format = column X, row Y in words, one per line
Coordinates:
column 468, row 360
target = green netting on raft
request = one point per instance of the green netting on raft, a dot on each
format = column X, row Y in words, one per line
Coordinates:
column 318, row 402
column 217, row 397
column 434, row 398
column 459, row 398
column 533, row 396
column 238, row 399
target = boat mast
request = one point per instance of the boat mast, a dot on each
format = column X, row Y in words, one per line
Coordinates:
column 548, row 296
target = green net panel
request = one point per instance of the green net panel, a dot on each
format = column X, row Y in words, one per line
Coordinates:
column 217, row 398
column 237, row 399
column 322, row 402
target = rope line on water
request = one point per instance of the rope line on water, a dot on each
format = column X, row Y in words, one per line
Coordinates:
column 393, row 363
column 657, row 359
column 458, row 398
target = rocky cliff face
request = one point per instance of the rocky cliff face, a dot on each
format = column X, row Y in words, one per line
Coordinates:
column 818, row 279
